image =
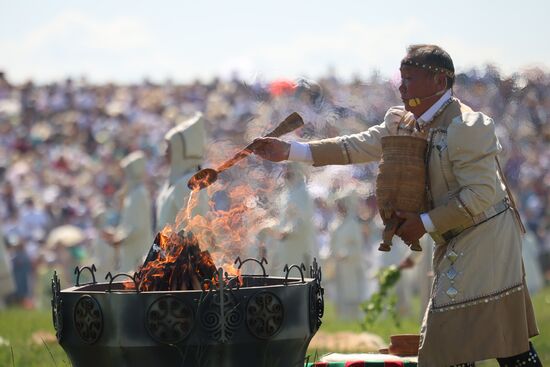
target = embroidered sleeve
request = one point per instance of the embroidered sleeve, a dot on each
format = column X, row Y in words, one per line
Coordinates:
column 357, row 148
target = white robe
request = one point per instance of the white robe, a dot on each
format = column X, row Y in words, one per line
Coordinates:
column 135, row 226
column 173, row 198
column 186, row 142
column 346, row 245
column 7, row 286
column 533, row 273
column 298, row 244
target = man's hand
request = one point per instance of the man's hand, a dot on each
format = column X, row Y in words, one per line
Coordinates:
column 272, row 149
column 412, row 228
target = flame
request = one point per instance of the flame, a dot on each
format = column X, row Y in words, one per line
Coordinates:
column 178, row 263
column 216, row 238
column 219, row 236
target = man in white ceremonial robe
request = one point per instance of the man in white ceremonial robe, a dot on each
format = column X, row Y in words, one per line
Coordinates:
column 105, row 255
column 185, row 153
column 297, row 244
column 346, row 248
column 133, row 235
column 533, row 271
column 7, row 285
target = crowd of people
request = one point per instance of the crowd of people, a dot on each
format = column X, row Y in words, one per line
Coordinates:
column 61, row 145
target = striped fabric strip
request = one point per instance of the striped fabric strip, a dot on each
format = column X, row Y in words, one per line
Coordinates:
column 362, row 364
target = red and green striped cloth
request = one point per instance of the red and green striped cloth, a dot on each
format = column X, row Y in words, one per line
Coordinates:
column 363, row 360
column 362, row 364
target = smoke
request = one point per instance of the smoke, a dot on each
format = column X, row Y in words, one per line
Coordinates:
column 252, row 197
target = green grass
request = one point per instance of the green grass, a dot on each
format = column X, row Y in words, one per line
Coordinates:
column 384, row 327
column 17, row 326
column 541, row 302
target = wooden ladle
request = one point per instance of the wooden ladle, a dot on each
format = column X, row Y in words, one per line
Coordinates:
column 207, row 176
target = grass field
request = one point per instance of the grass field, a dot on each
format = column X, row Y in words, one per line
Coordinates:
column 17, row 327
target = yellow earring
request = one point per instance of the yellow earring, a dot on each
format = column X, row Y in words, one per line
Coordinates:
column 414, row 102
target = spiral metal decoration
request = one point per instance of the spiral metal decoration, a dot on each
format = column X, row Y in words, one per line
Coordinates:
column 221, row 314
column 88, row 319
column 316, row 298
column 56, row 303
column 169, row 320
column 264, row 315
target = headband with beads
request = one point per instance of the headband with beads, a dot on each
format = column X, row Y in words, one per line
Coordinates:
column 435, row 69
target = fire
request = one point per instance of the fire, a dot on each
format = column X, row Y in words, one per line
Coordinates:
column 186, row 252
column 227, row 233
column 177, row 258
column 175, row 262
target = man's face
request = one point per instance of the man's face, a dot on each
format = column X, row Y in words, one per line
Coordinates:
column 416, row 83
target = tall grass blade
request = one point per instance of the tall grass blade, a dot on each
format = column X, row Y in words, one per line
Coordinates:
column 49, row 351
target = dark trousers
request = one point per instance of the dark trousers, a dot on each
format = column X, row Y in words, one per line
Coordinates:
column 526, row 359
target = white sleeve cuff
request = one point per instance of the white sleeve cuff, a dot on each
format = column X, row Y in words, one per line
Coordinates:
column 300, row 152
column 427, row 222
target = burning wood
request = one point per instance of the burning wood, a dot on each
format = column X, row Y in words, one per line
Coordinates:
column 175, row 262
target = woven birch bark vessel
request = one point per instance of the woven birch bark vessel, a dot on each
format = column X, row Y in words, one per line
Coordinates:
column 401, row 183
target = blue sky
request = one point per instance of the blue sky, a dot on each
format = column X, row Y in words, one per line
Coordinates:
column 124, row 41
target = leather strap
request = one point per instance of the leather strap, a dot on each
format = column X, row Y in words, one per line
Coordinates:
column 489, row 213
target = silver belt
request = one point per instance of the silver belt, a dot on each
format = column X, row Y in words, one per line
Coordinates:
column 484, row 216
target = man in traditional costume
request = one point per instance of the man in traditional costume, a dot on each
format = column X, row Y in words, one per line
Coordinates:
column 105, row 255
column 346, row 248
column 7, row 285
column 297, row 232
column 185, row 153
column 133, row 234
column 480, row 307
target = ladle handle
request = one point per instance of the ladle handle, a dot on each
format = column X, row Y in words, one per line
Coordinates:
column 291, row 123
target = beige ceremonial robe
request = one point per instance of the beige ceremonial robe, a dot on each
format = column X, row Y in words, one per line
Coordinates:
column 480, row 307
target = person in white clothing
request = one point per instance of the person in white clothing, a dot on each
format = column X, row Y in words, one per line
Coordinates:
column 7, row 285
column 105, row 255
column 185, row 153
column 133, row 234
column 346, row 244
column 297, row 244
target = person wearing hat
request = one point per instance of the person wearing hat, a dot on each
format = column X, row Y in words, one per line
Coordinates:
column 104, row 254
column 346, row 248
column 296, row 243
column 479, row 307
column 185, row 153
column 7, row 285
column 133, row 235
